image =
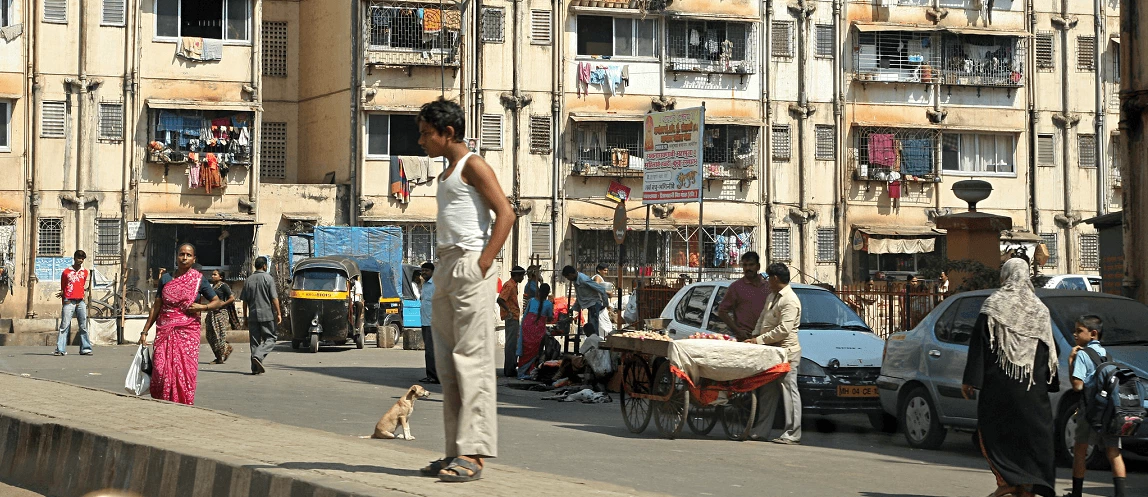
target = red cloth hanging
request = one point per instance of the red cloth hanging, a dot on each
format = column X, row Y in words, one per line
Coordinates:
column 894, row 189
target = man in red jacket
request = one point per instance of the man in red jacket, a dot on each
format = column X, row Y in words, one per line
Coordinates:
column 73, row 286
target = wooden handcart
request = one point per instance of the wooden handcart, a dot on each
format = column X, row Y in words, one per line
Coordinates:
column 650, row 389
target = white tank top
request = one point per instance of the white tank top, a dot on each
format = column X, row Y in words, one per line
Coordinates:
column 463, row 215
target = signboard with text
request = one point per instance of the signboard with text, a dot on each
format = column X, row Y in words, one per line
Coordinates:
column 673, row 156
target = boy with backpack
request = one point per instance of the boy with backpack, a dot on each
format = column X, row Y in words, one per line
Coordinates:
column 1083, row 363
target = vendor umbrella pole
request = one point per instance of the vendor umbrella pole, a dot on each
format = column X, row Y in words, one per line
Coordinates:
column 645, row 254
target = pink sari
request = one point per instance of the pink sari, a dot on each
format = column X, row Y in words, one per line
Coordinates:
column 176, row 357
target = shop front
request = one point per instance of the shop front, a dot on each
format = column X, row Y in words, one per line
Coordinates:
column 226, row 243
column 897, row 252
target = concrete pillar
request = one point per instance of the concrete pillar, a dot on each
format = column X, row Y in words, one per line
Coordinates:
column 1133, row 121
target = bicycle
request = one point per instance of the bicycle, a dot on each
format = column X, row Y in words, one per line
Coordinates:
column 111, row 304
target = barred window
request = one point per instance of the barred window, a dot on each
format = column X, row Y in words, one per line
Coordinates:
column 781, row 145
column 698, row 40
column 491, row 136
column 826, row 245
column 394, row 26
column 729, row 144
column 1089, row 251
column 540, row 134
column 780, row 245
column 275, row 48
column 1086, row 53
column 876, row 151
column 493, row 24
column 113, row 13
column 1045, row 50
column 51, row 242
column 826, row 142
column 107, row 239
column 1087, row 145
column 112, row 121
column 1050, row 240
column 52, row 119
column 609, row 144
column 782, row 38
column 540, row 27
column 825, row 34
column 540, row 240
column 419, row 242
column 7, row 239
column 56, row 11
column 273, row 157
column 1046, row 150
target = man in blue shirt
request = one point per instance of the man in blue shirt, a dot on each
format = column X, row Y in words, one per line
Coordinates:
column 1087, row 333
column 591, row 297
column 425, row 314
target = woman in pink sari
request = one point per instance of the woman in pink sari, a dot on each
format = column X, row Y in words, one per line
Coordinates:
column 175, row 313
column 539, row 310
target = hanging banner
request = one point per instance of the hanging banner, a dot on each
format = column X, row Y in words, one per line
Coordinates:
column 618, row 192
column 673, row 156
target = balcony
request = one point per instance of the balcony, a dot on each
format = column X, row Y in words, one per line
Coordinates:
column 966, row 58
column 405, row 34
column 711, row 47
column 889, row 154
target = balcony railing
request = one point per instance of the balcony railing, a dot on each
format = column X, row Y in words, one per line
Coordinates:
column 412, row 34
column 945, row 58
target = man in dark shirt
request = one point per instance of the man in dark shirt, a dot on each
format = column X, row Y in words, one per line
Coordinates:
column 745, row 299
column 262, row 302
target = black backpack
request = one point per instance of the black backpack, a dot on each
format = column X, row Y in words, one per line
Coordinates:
column 1114, row 403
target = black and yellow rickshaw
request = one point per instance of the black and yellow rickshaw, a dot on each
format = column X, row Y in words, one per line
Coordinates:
column 322, row 300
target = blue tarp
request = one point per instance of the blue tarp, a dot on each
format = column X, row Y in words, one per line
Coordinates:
column 384, row 243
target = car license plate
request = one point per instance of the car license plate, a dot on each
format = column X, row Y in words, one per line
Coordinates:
column 856, row 391
column 392, row 311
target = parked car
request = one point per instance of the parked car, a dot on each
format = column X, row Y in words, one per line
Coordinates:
column 922, row 368
column 1085, row 282
column 840, row 355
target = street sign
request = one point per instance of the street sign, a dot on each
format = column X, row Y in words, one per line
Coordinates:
column 620, row 223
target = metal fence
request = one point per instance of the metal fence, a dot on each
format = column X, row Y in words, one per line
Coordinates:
column 890, row 307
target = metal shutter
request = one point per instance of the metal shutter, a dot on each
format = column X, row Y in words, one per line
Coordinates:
column 493, row 25
column 275, row 48
column 1087, row 150
column 782, row 38
column 273, row 154
column 491, row 132
column 1050, row 240
column 1045, row 50
column 52, row 119
column 112, row 121
column 780, row 246
column 826, row 142
column 781, row 145
column 540, row 240
column 1086, row 53
column 1046, row 150
column 55, row 11
column 1089, row 251
column 540, row 27
column 824, row 40
column 113, row 13
column 826, row 245
column 540, row 134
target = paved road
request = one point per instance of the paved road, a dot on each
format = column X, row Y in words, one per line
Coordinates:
column 344, row 391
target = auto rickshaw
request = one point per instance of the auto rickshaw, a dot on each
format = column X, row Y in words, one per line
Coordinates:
column 322, row 302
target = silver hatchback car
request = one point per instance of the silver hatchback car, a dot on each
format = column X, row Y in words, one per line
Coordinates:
column 922, row 368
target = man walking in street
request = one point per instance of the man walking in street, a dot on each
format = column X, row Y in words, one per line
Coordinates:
column 464, row 328
column 425, row 312
column 591, row 296
column 511, row 312
column 778, row 327
column 262, row 303
column 73, row 287
column 743, row 302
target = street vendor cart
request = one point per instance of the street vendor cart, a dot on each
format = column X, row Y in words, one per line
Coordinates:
column 694, row 382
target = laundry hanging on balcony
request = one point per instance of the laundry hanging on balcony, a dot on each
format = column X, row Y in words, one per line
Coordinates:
column 200, row 49
column 205, row 171
column 612, row 78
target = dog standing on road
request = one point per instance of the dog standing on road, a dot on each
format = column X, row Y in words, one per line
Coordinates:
column 399, row 415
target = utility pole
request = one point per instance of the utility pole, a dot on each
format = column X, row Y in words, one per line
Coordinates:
column 1133, row 122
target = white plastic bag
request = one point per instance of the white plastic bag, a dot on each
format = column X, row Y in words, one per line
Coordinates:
column 139, row 374
column 599, row 360
column 605, row 325
column 630, row 314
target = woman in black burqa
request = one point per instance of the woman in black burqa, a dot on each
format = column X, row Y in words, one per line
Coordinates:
column 1012, row 362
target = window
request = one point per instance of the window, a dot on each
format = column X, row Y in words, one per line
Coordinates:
column 1115, row 51
column 1053, row 252
column 113, row 13
column 781, row 145
column 180, row 130
column 491, row 135
column 5, row 125
column 1086, row 53
column 1046, row 150
column 51, row 242
column 52, row 119
column 780, row 249
column 827, row 245
column 392, row 134
column 275, row 48
column 782, row 38
column 540, row 134
column 825, row 46
column 1089, row 251
column 692, row 308
column 7, row 13
column 826, row 142
column 217, row 19
column 1087, row 144
column 877, row 151
column 419, row 243
column 622, row 36
column 715, row 324
column 1006, row 68
column 7, row 240
column 957, row 324
column 107, row 240
column 596, row 144
column 721, row 247
column 55, row 11
column 978, row 153
column 540, row 27
column 493, row 24
column 273, row 156
column 540, row 240
column 1045, row 50
column 112, row 121
column 895, row 56
column 725, row 43
column 402, row 27
column 729, row 144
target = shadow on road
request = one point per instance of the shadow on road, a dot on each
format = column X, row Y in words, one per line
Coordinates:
column 349, row 468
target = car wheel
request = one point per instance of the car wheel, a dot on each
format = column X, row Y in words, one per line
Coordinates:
column 1066, row 438
column 919, row 421
column 883, row 422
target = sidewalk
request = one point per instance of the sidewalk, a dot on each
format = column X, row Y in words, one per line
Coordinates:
column 61, row 439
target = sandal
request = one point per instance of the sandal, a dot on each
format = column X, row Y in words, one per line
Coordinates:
column 434, row 467
column 226, row 354
column 428, row 379
column 458, row 465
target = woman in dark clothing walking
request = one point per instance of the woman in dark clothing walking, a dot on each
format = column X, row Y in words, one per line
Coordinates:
column 1012, row 361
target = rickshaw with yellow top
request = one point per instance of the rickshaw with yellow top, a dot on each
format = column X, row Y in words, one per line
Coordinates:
column 336, row 299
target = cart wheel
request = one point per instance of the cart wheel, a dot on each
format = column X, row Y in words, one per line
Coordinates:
column 670, row 415
column 314, row 344
column 359, row 340
column 737, row 416
column 635, row 379
column 702, row 420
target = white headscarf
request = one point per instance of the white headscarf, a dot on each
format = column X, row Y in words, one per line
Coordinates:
column 1017, row 322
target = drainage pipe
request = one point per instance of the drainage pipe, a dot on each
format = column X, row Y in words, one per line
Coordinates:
column 34, row 87
column 1101, row 135
column 558, row 84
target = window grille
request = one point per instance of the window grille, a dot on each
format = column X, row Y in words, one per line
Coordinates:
column 540, row 240
column 1086, row 53
column 781, row 38
column 876, row 155
column 107, row 239
column 780, row 245
column 51, row 243
column 7, row 240
column 1046, row 150
column 893, row 56
column 491, row 137
column 1087, row 145
column 971, row 152
column 826, row 245
column 55, row 11
column 825, row 34
column 540, row 134
column 493, row 24
column 52, row 119
column 711, row 46
column 273, row 156
column 419, row 243
column 1115, row 54
column 722, row 247
column 275, row 48
column 1050, row 240
column 613, row 145
column 112, row 121
column 540, row 27
column 113, row 13
column 1045, row 50
column 1089, row 251
column 729, row 144
column 406, row 37
column 980, row 61
column 826, row 142
column 781, row 147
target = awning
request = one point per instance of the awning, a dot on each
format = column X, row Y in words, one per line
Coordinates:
column 633, row 224
column 1115, row 39
column 10, row 96
column 202, row 219
column 939, row 127
column 292, row 216
column 397, row 220
column 896, row 239
column 603, row 116
column 711, row 16
column 393, row 109
column 739, row 121
column 159, row 103
column 1020, row 237
column 974, row 30
column 9, row 214
column 885, row 231
column 870, row 27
